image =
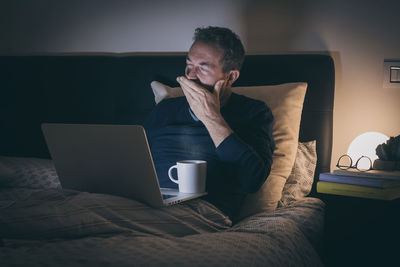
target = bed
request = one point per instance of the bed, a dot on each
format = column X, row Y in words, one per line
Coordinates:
column 42, row 223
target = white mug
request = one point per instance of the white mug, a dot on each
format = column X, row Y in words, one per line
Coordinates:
column 191, row 175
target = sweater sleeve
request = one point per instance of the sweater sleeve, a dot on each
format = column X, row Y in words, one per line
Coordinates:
column 250, row 153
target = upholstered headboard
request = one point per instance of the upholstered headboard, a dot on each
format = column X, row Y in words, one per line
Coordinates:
column 116, row 89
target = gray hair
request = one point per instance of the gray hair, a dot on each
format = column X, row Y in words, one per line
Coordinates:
column 227, row 41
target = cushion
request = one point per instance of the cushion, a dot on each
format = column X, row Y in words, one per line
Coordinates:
column 33, row 173
column 286, row 104
column 300, row 180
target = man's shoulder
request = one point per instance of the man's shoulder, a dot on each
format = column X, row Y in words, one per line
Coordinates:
column 166, row 111
column 175, row 102
column 248, row 102
column 250, row 109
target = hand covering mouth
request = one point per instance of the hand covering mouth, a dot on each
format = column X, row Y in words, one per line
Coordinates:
column 210, row 88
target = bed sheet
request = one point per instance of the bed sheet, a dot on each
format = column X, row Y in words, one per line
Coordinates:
column 64, row 228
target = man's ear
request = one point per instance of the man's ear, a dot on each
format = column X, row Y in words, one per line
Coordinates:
column 233, row 75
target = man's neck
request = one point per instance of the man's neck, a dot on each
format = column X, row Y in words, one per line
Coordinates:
column 224, row 98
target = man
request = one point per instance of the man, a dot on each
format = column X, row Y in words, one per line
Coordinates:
column 233, row 133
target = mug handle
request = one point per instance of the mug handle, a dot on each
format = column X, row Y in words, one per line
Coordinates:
column 170, row 174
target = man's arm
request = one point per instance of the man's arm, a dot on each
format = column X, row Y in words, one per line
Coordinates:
column 218, row 129
column 206, row 107
column 252, row 155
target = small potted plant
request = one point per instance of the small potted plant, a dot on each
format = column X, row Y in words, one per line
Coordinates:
column 388, row 155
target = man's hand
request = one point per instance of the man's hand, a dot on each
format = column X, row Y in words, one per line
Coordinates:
column 206, row 106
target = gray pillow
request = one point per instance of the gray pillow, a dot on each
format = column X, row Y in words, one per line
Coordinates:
column 301, row 178
column 33, row 173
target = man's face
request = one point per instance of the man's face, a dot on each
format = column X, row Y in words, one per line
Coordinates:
column 203, row 65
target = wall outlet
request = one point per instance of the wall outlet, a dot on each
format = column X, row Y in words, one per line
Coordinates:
column 391, row 73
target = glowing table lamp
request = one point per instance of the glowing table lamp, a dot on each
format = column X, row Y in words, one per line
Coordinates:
column 365, row 145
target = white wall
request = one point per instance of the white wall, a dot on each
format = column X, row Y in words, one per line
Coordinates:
column 358, row 34
column 109, row 25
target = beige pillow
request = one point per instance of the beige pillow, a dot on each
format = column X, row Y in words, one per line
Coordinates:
column 286, row 103
column 162, row 91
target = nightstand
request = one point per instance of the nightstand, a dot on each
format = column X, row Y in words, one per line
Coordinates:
column 361, row 232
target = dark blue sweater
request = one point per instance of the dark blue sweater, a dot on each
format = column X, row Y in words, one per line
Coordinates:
column 239, row 165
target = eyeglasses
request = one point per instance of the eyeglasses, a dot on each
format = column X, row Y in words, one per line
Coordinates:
column 363, row 164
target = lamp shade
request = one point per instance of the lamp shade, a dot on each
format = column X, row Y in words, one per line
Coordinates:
column 365, row 145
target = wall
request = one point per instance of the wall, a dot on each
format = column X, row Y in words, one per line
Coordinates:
column 358, row 34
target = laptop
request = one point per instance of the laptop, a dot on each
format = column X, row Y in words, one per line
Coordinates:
column 108, row 159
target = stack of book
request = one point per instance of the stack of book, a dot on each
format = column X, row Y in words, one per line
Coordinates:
column 375, row 184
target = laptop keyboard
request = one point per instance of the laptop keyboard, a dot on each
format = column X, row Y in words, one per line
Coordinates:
column 168, row 196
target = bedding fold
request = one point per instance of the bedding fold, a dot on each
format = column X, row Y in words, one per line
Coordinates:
column 69, row 228
column 48, row 214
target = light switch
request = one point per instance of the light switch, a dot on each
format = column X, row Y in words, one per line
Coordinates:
column 391, row 73
column 395, row 74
